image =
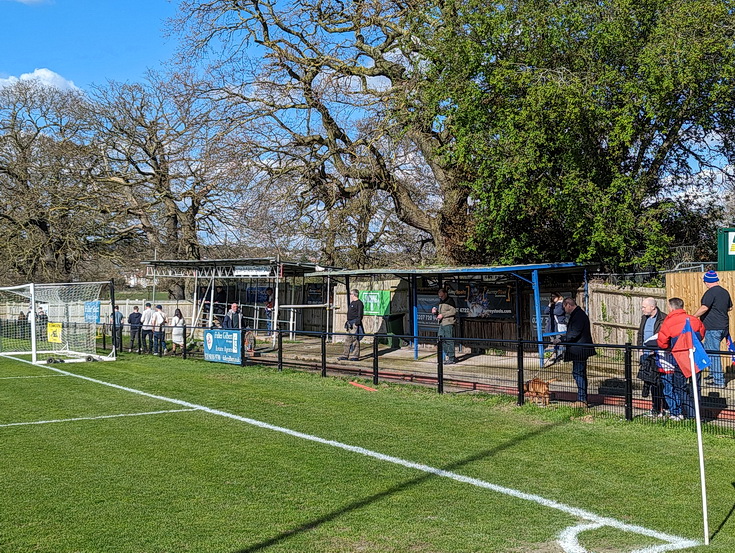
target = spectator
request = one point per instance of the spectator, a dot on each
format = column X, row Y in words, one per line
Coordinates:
column 579, row 347
column 681, row 394
column 270, row 302
column 23, row 325
column 177, row 333
column 353, row 327
column 134, row 319
column 446, row 315
column 713, row 313
column 556, row 323
column 203, row 297
column 233, row 318
column 159, row 333
column 116, row 320
column 651, row 320
column 220, row 299
column 147, row 328
column 42, row 324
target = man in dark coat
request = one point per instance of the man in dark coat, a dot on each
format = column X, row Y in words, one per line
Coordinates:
column 651, row 319
column 579, row 347
column 233, row 318
column 353, row 327
column 135, row 319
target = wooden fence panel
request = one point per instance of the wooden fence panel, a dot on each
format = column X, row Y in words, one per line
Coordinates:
column 615, row 312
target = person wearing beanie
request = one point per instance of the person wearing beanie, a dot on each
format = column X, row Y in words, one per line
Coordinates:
column 716, row 304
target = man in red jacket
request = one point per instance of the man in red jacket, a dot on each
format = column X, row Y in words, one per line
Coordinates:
column 676, row 388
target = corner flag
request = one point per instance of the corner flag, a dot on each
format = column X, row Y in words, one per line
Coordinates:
column 688, row 340
column 690, row 356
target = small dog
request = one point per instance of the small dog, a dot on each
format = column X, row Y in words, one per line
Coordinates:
column 537, row 390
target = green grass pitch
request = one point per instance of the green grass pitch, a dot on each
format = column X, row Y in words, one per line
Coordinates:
column 159, row 455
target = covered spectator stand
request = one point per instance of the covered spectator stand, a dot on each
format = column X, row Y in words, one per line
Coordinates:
column 213, row 284
column 505, row 302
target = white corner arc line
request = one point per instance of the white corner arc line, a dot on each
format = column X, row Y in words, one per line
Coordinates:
column 567, row 539
column 98, row 417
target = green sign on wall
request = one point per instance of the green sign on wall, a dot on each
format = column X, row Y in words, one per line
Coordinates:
column 377, row 302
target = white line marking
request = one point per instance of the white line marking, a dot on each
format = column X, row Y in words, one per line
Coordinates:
column 567, row 539
column 36, row 376
column 97, row 418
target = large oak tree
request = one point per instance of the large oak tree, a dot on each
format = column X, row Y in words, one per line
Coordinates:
column 582, row 123
column 319, row 88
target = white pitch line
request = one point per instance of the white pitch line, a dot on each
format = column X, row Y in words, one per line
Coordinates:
column 567, row 539
column 97, row 417
column 35, row 376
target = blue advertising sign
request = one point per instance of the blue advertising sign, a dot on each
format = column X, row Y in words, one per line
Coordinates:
column 256, row 294
column 485, row 301
column 222, row 346
column 427, row 320
column 92, row 311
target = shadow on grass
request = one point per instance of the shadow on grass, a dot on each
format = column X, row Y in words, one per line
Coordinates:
column 724, row 521
column 355, row 505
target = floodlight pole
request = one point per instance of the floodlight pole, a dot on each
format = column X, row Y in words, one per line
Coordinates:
column 698, row 419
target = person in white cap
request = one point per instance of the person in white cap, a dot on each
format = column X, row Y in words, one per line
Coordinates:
column 713, row 313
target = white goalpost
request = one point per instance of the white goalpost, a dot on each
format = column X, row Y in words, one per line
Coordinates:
column 47, row 323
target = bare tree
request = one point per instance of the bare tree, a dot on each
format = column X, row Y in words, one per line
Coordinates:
column 320, row 90
column 172, row 179
column 50, row 219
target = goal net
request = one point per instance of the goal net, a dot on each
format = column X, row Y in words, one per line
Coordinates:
column 47, row 323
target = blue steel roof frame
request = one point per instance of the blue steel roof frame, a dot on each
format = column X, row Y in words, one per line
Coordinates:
column 453, row 270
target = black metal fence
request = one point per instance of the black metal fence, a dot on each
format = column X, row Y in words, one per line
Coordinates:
column 512, row 367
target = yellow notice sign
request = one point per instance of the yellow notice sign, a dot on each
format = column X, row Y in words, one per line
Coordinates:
column 54, row 332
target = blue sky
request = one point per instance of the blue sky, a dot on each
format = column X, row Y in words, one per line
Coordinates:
column 84, row 41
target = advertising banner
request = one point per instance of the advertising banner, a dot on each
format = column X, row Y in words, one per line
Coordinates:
column 92, row 312
column 472, row 299
column 314, row 294
column 427, row 320
column 222, row 346
column 377, row 302
column 251, row 270
column 486, row 301
column 256, row 294
column 54, row 332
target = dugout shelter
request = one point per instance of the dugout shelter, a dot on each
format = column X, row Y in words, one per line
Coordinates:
column 504, row 302
column 300, row 302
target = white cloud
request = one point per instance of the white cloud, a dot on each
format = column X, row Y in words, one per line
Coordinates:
column 46, row 76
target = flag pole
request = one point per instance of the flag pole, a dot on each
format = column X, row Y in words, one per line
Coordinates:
column 698, row 420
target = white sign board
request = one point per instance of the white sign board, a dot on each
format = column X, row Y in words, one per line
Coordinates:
column 251, row 270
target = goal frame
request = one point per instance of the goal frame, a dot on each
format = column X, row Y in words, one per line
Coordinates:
column 65, row 352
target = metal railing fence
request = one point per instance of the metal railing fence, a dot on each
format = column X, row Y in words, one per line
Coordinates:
column 486, row 365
